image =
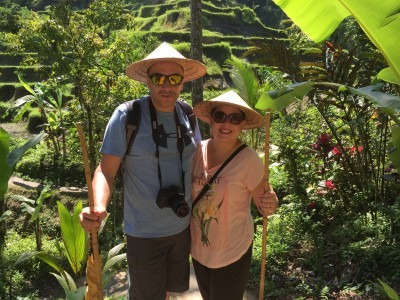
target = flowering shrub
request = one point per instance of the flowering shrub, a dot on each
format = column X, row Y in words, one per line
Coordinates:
column 338, row 194
column 323, row 144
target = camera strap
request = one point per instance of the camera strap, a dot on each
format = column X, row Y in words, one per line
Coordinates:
column 208, row 185
column 180, row 142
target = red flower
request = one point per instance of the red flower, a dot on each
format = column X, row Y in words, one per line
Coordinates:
column 336, row 151
column 311, row 205
column 323, row 143
column 329, row 185
column 355, row 149
column 325, row 138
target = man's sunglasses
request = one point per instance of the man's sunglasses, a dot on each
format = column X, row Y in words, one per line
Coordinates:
column 159, row 79
column 221, row 117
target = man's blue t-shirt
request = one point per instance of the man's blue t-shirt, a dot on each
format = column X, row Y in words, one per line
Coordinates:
column 142, row 216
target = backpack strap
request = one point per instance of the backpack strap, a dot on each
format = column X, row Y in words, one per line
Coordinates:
column 131, row 126
column 132, row 123
column 188, row 110
column 133, row 120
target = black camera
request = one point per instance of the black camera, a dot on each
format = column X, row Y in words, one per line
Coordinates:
column 174, row 198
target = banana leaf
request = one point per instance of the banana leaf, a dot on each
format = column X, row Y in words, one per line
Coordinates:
column 8, row 159
column 388, row 103
column 278, row 100
column 380, row 20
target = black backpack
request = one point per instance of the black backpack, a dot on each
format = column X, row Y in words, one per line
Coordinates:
column 133, row 121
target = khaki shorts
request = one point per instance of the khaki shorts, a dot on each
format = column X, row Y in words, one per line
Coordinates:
column 158, row 265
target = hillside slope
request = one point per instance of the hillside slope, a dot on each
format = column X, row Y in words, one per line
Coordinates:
column 226, row 31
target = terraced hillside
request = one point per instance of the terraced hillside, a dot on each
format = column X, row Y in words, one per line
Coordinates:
column 235, row 25
column 226, row 31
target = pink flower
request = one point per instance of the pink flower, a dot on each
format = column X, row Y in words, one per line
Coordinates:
column 355, row 149
column 329, row 185
column 336, row 152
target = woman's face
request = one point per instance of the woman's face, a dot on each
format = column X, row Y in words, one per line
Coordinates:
column 224, row 122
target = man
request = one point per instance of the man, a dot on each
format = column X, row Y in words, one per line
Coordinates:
column 157, row 177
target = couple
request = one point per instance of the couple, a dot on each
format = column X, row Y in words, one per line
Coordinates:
column 167, row 166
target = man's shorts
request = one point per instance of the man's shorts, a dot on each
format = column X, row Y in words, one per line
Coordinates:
column 158, row 265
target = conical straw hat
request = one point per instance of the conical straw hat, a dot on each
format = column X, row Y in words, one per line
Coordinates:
column 203, row 110
column 166, row 53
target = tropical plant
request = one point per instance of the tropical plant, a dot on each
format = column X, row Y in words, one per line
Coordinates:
column 56, row 115
column 51, row 110
column 75, row 248
column 249, row 87
column 33, row 207
column 8, row 160
column 88, row 38
column 348, row 153
column 386, row 290
column 380, row 21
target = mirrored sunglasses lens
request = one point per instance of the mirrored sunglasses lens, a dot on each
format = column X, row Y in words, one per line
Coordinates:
column 157, row 79
column 175, row 79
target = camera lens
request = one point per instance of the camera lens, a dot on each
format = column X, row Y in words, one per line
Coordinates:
column 174, row 198
column 182, row 210
column 179, row 205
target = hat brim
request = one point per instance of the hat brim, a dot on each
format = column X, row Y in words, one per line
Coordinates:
column 192, row 68
column 203, row 111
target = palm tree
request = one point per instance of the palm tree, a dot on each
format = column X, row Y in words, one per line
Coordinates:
column 248, row 86
column 197, row 47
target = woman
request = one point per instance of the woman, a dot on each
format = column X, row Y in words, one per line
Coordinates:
column 221, row 225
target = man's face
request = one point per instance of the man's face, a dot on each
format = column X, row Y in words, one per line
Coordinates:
column 164, row 96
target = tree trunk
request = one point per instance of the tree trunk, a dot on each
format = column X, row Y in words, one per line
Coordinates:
column 196, row 39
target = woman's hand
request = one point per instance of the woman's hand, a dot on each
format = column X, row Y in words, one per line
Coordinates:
column 267, row 202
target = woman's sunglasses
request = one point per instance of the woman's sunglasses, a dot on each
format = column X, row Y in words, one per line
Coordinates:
column 159, row 79
column 221, row 117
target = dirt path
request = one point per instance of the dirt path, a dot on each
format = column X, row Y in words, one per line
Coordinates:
column 17, row 130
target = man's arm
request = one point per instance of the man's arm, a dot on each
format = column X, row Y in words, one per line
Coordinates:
column 102, row 184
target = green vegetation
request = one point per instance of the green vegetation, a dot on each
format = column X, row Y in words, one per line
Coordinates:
column 336, row 233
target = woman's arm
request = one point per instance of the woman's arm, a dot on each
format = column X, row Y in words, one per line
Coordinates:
column 266, row 202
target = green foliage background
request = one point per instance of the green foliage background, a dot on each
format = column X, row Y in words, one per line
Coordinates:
column 336, row 231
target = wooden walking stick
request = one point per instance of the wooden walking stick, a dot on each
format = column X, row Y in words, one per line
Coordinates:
column 265, row 219
column 94, row 288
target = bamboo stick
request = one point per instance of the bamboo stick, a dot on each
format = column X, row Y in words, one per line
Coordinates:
column 265, row 219
column 94, row 288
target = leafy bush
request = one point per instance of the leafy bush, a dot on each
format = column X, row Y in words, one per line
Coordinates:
column 22, row 279
column 248, row 15
column 42, row 165
column 5, row 114
column 218, row 52
column 35, row 121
